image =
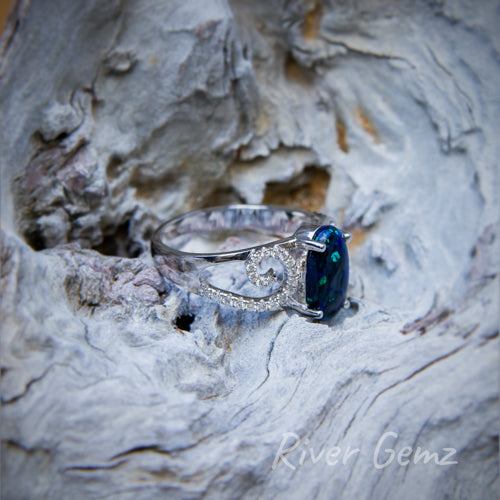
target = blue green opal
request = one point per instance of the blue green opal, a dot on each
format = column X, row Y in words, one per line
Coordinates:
column 327, row 273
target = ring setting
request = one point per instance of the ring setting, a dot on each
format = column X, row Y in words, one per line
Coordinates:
column 307, row 270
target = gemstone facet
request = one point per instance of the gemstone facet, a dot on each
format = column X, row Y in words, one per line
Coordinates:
column 327, row 273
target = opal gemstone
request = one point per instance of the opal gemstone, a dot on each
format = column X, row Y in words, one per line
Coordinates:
column 327, row 273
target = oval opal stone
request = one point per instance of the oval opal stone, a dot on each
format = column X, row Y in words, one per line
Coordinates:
column 327, row 273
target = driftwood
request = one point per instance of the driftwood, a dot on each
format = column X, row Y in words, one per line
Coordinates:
column 119, row 114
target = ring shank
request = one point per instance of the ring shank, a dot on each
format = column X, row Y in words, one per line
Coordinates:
column 264, row 219
column 184, row 268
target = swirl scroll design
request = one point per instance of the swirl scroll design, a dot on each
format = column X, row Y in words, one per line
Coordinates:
column 254, row 262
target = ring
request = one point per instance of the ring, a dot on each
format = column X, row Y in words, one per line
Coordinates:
column 305, row 266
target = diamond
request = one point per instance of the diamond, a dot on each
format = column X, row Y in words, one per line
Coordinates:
column 255, row 259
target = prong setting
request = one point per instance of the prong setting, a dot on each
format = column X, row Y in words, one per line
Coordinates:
column 315, row 246
column 297, row 306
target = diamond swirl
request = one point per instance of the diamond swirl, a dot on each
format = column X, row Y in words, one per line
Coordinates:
column 255, row 260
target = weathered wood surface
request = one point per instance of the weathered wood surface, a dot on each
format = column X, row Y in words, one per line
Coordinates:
column 118, row 114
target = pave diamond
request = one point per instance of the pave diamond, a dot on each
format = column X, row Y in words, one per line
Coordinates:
column 257, row 259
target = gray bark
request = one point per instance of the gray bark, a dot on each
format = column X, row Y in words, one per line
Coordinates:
column 119, row 114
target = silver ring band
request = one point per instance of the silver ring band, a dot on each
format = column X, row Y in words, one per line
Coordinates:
column 296, row 241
